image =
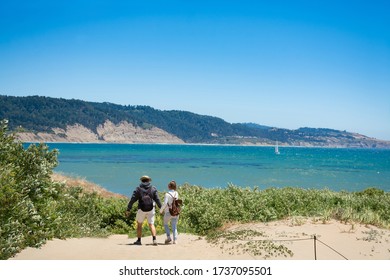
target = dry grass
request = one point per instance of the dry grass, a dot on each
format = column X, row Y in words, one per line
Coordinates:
column 85, row 185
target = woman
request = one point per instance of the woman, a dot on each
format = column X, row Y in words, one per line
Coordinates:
column 167, row 216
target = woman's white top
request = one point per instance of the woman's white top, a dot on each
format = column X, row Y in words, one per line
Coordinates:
column 168, row 199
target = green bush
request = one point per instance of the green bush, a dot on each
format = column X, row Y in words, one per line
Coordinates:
column 25, row 188
column 34, row 209
column 208, row 209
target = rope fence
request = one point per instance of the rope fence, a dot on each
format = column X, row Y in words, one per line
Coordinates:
column 314, row 238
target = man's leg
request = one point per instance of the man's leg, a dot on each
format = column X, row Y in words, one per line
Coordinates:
column 151, row 225
column 152, row 229
column 140, row 217
column 139, row 229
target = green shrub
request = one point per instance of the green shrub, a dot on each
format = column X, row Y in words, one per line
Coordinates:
column 208, row 209
column 34, row 209
column 25, row 188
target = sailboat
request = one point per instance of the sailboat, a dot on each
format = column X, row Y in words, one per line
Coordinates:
column 277, row 149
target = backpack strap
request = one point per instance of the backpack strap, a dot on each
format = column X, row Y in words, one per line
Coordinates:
column 148, row 190
column 143, row 191
column 173, row 197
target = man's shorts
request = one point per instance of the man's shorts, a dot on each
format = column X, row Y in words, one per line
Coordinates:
column 141, row 216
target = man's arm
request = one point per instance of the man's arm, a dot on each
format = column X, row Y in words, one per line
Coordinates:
column 133, row 199
column 156, row 198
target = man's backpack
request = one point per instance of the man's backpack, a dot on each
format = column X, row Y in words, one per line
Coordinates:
column 146, row 202
column 175, row 207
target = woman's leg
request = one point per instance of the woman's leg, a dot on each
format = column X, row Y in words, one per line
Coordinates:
column 167, row 218
column 174, row 221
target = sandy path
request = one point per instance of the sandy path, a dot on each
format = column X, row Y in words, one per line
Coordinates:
column 354, row 242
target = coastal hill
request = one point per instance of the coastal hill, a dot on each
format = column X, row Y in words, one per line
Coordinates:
column 45, row 119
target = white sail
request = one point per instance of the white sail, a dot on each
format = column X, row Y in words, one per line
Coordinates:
column 277, row 148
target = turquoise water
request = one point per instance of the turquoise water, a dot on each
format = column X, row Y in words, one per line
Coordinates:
column 117, row 167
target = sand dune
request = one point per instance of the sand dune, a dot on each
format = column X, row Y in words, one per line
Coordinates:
column 334, row 241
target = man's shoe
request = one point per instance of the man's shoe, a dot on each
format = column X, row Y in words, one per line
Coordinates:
column 168, row 240
column 155, row 242
column 138, row 242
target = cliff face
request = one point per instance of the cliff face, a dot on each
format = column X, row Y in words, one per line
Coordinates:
column 108, row 132
column 125, row 132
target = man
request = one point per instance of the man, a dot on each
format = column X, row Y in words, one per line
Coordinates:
column 147, row 196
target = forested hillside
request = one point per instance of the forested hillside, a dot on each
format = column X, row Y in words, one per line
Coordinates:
column 43, row 114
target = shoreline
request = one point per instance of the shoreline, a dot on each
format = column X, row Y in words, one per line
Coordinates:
column 207, row 144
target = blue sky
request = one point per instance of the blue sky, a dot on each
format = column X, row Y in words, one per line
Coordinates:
column 287, row 64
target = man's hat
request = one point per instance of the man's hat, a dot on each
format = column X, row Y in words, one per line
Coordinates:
column 145, row 178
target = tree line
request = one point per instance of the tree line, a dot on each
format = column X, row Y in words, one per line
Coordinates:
column 42, row 114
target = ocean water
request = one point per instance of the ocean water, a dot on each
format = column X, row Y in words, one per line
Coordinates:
column 118, row 167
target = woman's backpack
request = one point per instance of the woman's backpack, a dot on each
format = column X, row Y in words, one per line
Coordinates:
column 175, row 207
